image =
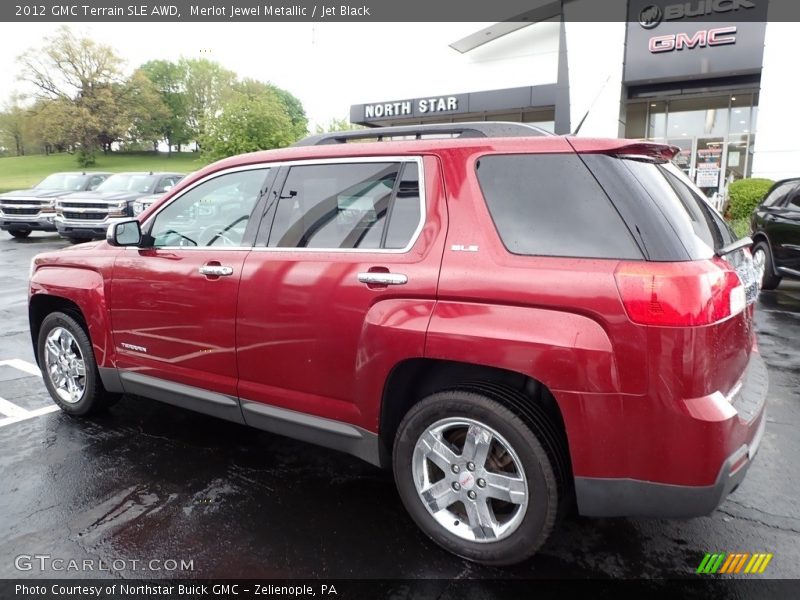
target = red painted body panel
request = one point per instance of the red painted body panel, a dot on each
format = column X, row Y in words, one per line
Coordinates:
column 81, row 274
column 185, row 320
column 312, row 338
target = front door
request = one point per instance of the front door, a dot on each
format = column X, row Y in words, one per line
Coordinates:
column 173, row 303
column 340, row 287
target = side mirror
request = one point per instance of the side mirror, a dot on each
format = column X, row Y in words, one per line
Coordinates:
column 124, row 233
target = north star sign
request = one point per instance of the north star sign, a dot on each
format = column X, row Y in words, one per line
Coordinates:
column 405, row 107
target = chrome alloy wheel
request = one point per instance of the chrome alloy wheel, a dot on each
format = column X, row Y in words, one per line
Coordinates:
column 470, row 479
column 65, row 366
column 760, row 263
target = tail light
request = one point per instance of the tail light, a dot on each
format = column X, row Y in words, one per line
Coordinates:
column 680, row 294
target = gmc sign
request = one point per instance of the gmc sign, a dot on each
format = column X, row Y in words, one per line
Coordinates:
column 719, row 36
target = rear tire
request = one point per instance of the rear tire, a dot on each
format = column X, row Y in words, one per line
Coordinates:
column 769, row 281
column 69, row 369
column 461, row 507
column 19, row 233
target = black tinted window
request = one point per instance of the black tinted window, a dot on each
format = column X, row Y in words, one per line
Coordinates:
column 777, row 196
column 549, row 204
column 346, row 206
column 405, row 215
column 700, row 228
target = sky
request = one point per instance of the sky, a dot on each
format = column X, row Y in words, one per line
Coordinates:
column 328, row 66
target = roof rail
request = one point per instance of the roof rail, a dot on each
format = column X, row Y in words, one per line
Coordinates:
column 478, row 129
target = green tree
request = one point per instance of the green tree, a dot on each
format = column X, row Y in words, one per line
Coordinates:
column 15, row 126
column 248, row 122
column 145, row 108
column 253, row 88
column 82, row 76
column 338, row 125
column 169, row 80
column 207, row 85
column 50, row 127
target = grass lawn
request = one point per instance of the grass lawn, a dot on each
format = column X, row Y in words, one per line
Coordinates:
column 21, row 172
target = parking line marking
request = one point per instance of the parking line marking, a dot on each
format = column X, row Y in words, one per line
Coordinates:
column 30, row 415
column 10, row 409
column 22, row 365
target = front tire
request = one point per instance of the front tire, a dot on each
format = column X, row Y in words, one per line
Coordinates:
column 762, row 258
column 475, row 477
column 69, row 368
column 19, row 233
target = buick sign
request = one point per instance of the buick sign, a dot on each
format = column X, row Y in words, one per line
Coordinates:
column 651, row 16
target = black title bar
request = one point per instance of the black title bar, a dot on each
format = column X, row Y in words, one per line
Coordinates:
column 378, row 10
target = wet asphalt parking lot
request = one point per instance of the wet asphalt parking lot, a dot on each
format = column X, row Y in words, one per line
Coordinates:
column 148, row 481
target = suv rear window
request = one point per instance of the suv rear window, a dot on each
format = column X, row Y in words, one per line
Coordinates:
column 700, row 228
column 551, row 205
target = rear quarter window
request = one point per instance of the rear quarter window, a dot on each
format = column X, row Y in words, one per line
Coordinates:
column 551, row 205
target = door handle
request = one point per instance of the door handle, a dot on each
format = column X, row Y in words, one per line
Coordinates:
column 379, row 278
column 216, row 270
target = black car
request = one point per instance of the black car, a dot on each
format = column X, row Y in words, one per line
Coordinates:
column 776, row 233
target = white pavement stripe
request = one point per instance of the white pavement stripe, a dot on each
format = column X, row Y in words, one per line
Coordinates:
column 10, row 409
column 22, row 365
column 30, row 415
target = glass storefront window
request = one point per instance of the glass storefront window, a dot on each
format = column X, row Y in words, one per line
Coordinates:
column 715, row 134
column 657, row 120
column 698, row 116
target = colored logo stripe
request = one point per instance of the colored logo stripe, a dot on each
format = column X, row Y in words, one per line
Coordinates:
column 722, row 562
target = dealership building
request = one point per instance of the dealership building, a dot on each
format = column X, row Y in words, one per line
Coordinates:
column 712, row 77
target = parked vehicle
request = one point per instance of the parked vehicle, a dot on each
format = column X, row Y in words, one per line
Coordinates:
column 145, row 202
column 775, row 224
column 23, row 211
column 86, row 215
column 516, row 323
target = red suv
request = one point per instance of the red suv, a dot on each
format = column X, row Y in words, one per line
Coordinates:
column 517, row 323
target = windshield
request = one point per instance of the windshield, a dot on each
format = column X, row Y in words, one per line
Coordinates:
column 128, row 183
column 60, row 181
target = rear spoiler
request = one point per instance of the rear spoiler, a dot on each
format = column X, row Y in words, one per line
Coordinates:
column 625, row 149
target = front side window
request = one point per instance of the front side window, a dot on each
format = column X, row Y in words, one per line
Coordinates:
column 214, row 213
column 348, row 206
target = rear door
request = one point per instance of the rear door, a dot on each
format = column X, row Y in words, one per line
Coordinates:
column 173, row 304
column 340, row 286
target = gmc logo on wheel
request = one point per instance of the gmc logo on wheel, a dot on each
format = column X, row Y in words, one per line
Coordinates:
column 720, row 36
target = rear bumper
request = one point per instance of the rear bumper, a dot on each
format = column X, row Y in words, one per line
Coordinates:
column 686, row 462
column 599, row 497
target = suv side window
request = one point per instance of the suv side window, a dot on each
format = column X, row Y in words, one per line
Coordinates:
column 215, row 213
column 348, row 206
column 551, row 205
